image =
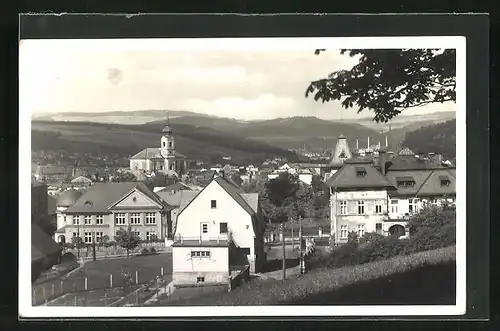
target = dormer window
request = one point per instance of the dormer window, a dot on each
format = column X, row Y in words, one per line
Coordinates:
column 445, row 181
column 342, row 155
column 88, row 203
column 405, row 181
column 360, row 172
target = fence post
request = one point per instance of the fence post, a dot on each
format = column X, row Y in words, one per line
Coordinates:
column 86, row 283
column 74, row 286
column 161, row 271
column 110, row 280
column 62, row 287
column 43, row 291
column 75, row 300
column 53, row 289
column 105, row 299
column 34, row 294
column 137, row 298
column 136, row 277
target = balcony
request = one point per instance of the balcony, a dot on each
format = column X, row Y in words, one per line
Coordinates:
column 202, row 240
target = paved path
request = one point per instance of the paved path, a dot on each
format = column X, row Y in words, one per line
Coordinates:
column 163, row 290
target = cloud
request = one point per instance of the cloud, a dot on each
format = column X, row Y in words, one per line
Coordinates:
column 238, row 84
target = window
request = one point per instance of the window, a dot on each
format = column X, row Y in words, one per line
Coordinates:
column 170, row 144
column 223, row 228
column 150, row 218
column 378, row 227
column 120, row 219
column 135, row 218
column 98, row 236
column 405, row 181
column 361, row 230
column 204, row 228
column 137, row 233
column 88, row 219
column 75, row 234
column 394, row 206
column 343, row 232
column 76, row 219
column 343, row 207
column 413, row 206
column 200, row 279
column 99, row 219
column 171, row 167
column 200, row 254
column 163, row 144
column 213, row 204
column 360, row 171
column 87, row 237
column 445, row 181
column 361, row 207
column 150, row 235
column 378, row 207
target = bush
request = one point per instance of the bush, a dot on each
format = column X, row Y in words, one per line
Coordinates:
column 152, row 250
column 145, row 251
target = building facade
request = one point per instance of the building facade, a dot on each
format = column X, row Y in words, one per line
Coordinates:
column 105, row 208
column 163, row 160
column 220, row 220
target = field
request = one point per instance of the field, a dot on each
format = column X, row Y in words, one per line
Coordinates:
column 98, row 274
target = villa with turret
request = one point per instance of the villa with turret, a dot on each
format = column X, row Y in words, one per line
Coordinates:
column 164, row 159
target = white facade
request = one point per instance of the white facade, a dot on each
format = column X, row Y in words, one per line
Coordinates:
column 227, row 210
column 360, row 211
column 195, row 265
column 306, row 178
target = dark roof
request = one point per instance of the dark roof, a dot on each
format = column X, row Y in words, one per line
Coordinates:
column 410, row 163
column 175, row 187
column 432, row 185
column 42, row 245
column 405, row 179
column 51, row 205
column 68, row 198
column 102, row 195
column 153, row 153
column 346, row 178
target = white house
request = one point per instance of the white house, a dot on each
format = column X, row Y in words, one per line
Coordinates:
column 217, row 229
column 358, row 200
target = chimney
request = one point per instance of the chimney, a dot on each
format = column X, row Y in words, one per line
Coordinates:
column 386, row 142
column 357, row 144
column 382, row 159
column 368, row 146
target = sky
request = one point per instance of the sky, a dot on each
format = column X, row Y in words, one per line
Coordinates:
column 246, row 85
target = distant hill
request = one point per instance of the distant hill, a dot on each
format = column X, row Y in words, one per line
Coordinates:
column 196, row 143
column 436, row 138
column 285, row 133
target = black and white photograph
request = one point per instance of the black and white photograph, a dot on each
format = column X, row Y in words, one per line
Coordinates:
column 243, row 177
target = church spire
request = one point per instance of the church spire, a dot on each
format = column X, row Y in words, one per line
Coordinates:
column 167, row 129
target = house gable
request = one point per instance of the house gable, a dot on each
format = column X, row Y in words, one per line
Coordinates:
column 135, row 199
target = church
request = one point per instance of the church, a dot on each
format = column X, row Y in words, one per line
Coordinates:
column 163, row 159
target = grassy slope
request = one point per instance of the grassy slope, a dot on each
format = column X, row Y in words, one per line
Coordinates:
column 322, row 286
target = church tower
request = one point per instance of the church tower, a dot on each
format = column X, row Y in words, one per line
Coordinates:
column 167, row 148
column 341, row 151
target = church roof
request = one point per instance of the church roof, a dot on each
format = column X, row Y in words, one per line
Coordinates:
column 152, row 153
column 341, row 151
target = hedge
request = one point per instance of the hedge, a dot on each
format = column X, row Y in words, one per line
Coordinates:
column 320, row 281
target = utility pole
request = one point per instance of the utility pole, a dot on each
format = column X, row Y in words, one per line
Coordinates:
column 93, row 245
column 301, row 253
column 283, row 243
column 291, row 220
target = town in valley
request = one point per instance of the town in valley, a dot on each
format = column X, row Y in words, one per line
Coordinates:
column 200, row 214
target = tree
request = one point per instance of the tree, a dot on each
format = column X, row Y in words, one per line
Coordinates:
column 388, row 81
column 103, row 240
column 127, row 239
column 77, row 242
column 236, row 179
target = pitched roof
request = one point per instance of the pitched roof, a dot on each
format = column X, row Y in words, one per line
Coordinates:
column 186, row 198
column 432, row 185
column 419, row 176
column 252, row 199
column 42, row 245
column 152, row 153
column 408, row 162
column 406, row 151
column 51, row 170
column 51, row 204
column 177, row 198
column 81, row 179
column 175, row 187
column 346, row 177
column 104, row 194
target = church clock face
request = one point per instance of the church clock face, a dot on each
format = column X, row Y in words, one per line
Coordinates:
column 164, row 152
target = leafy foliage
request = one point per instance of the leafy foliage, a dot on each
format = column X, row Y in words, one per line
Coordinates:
column 124, row 177
column 127, row 239
column 388, row 81
column 432, row 228
column 436, row 138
